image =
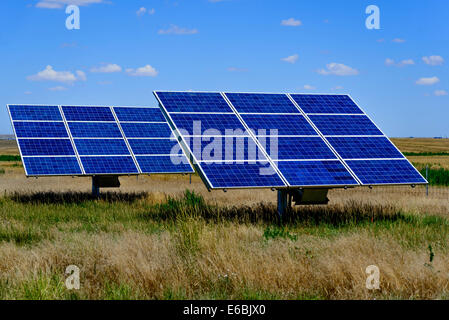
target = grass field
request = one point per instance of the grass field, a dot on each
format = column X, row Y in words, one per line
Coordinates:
column 161, row 237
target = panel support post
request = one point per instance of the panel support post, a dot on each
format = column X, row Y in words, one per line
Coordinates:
column 282, row 202
column 95, row 188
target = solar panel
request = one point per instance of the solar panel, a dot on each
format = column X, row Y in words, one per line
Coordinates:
column 306, row 140
column 358, row 142
column 95, row 140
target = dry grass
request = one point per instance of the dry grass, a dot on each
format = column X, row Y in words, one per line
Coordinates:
column 421, row 144
column 147, row 240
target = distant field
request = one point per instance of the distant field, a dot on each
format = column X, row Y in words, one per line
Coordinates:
column 152, row 239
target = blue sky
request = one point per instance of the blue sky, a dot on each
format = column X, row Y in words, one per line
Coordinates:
column 126, row 49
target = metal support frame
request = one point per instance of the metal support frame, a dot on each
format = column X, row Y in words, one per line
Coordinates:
column 300, row 197
column 95, row 188
column 282, row 201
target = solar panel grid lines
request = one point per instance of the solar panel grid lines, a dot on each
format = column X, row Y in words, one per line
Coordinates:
column 182, row 141
column 100, row 149
column 256, row 141
column 128, row 147
column 301, row 152
column 78, row 159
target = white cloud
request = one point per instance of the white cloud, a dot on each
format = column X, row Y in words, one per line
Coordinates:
column 338, row 69
column 389, row 62
column 174, row 29
column 109, row 68
column 291, row 22
column 427, row 81
column 58, row 88
column 144, row 10
column 433, row 60
column 49, row 74
column 403, row 63
column 398, row 40
column 59, row 4
column 337, row 88
column 234, row 69
column 28, row 92
column 147, row 71
column 440, row 93
column 309, row 87
column 291, row 59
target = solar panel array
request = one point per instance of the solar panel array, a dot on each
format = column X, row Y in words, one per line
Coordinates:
column 91, row 140
column 290, row 140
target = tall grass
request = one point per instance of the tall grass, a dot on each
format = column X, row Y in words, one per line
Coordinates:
column 132, row 246
column 9, row 158
column 436, row 176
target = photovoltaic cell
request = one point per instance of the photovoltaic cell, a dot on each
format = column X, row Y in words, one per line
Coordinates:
column 97, row 147
column 46, row 147
column 139, row 114
column 88, row 113
column 94, row 130
column 315, row 173
column 40, row 129
column 51, row 166
column 364, row 147
column 155, row 146
column 208, row 124
column 385, row 172
column 109, row 165
column 313, row 103
column 164, row 164
column 278, row 125
column 239, row 175
column 19, row 112
column 193, row 102
column 224, row 148
column 344, row 125
column 297, row 148
column 146, row 130
column 261, row 103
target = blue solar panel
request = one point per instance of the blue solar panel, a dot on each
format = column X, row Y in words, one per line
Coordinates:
column 315, row 173
column 40, row 129
column 261, row 103
column 46, row 147
column 278, row 124
column 313, row 103
column 88, row 113
column 139, row 114
column 94, row 130
column 239, row 175
column 146, row 130
column 96, row 147
column 44, row 166
column 225, row 148
column 35, row 113
column 193, row 102
column 164, row 164
column 208, row 124
column 109, row 165
column 364, row 147
column 385, row 172
column 154, row 146
column 296, row 148
column 345, row 125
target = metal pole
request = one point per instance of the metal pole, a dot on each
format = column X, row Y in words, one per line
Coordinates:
column 427, row 176
column 282, row 202
column 95, row 188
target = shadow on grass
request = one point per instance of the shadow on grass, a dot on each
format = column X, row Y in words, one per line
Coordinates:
column 74, row 197
column 350, row 213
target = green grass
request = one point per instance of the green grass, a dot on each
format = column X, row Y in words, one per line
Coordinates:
column 9, row 158
column 30, row 220
column 435, row 176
